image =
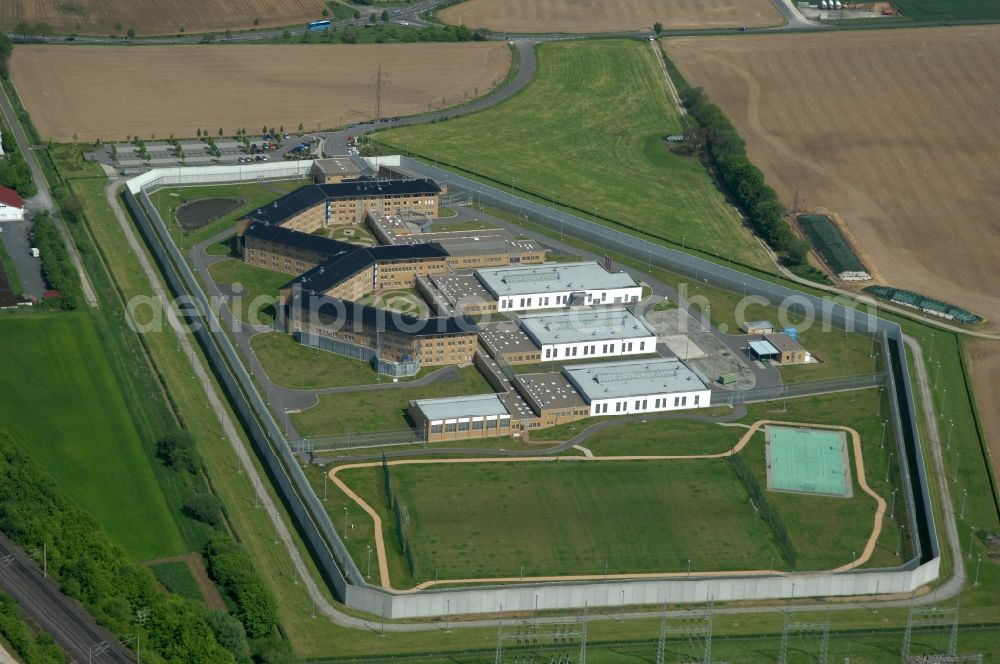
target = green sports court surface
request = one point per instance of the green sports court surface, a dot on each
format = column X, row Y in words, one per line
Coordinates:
column 807, row 461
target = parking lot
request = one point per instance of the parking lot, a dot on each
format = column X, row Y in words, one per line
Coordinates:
column 227, row 151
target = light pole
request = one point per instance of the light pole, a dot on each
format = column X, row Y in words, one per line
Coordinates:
column 892, row 508
column 899, row 541
column 887, row 467
column 958, row 458
column 972, row 538
column 277, row 517
column 951, row 430
column 937, row 373
column 326, row 477
column 512, row 186
column 944, row 399
column 369, row 574
column 878, row 409
column 345, row 521
column 979, row 560
column 882, row 446
column 965, row 494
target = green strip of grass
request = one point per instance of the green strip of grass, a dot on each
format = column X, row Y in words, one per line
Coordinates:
column 7, row 263
column 598, row 147
column 61, row 400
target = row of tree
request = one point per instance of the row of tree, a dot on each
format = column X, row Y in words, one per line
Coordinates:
column 121, row 595
column 228, row 564
column 726, row 152
column 385, row 33
column 764, row 508
column 30, row 647
column 57, row 267
column 14, row 170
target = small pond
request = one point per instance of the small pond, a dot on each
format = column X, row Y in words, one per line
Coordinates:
column 192, row 216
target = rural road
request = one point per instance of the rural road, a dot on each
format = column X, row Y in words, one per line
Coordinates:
column 65, row 619
column 42, row 202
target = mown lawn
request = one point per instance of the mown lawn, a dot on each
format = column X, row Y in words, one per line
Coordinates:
column 292, row 365
column 589, row 132
column 382, row 410
column 485, row 519
column 63, row 404
column 259, row 289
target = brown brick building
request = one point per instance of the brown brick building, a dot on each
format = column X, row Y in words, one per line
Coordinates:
column 398, row 337
column 316, row 206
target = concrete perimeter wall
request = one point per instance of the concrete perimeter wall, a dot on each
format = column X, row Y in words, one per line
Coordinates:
column 329, row 551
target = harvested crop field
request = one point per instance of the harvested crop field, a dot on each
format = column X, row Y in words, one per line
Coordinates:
column 114, row 92
column 155, row 17
column 609, row 15
column 983, row 360
column 891, row 130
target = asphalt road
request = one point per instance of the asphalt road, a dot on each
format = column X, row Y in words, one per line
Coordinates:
column 42, row 202
column 65, row 619
column 14, row 235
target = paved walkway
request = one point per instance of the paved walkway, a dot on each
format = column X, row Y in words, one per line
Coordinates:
column 380, row 547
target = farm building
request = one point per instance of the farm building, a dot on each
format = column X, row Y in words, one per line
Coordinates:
column 316, row 206
column 592, row 333
column 526, row 288
column 638, row 386
column 11, row 205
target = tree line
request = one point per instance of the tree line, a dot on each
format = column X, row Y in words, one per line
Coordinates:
column 228, row 564
column 32, row 648
column 726, row 152
column 122, row 595
column 57, row 267
column 14, row 170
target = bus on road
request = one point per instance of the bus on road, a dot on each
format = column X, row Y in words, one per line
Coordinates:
column 319, row 25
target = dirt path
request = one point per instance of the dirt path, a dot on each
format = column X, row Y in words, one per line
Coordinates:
column 671, row 88
column 194, row 562
column 380, row 548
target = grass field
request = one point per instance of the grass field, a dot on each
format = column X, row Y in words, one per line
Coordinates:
column 608, row 15
column 483, row 520
column 948, row 10
column 168, row 199
column 164, row 97
column 600, row 148
column 382, row 410
column 102, row 17
column 177, row 578
column 290, row 364
column 260, row 289
column 59, row 361
column 902, row 150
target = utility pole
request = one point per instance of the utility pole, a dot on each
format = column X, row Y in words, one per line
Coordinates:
column 380, row 80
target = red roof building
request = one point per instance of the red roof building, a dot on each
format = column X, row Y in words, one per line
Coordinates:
column 11, row 205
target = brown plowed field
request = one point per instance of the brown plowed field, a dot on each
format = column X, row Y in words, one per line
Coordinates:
column 893, row 130
column 158, row 17
column 609, row 15
column 984, row 362
column 114, row 92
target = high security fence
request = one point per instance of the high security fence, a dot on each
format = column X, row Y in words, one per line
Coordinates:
column 329, row 551
column 313, row 523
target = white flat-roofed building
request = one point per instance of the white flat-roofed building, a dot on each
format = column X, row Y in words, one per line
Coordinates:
column 638, row 386
column 554, row 285
column 589, row 333
column 481, row 415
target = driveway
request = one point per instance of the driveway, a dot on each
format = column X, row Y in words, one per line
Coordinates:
column 14, row 235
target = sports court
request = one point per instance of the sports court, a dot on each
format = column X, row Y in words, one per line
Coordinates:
column 804, row 460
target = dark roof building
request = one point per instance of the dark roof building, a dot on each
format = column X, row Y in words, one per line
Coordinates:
column 309, row 196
